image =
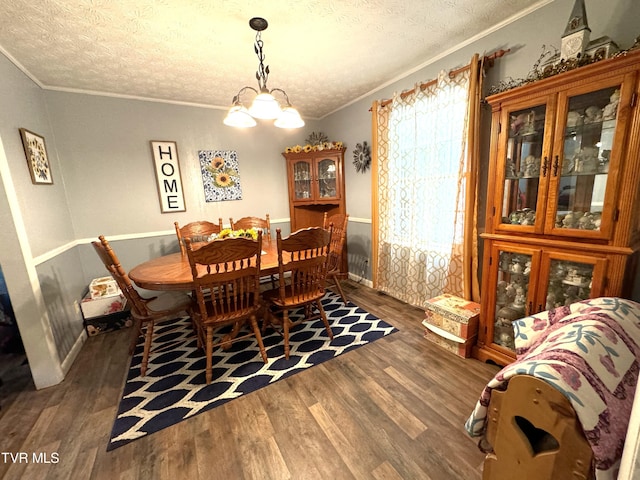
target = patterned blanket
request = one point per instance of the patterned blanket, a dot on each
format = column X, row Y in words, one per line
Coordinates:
column 589, row 351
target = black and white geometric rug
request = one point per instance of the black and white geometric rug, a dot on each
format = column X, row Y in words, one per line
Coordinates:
column 174, row 388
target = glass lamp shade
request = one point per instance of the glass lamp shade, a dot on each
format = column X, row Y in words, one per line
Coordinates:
column 289, row 118
column 265, row 106
column 238, row 116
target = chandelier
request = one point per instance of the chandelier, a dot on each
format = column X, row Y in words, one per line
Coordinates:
column 264, row 105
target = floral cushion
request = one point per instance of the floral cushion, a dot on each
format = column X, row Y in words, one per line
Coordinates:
column 589, row 351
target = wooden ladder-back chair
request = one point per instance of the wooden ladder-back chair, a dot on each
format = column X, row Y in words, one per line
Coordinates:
column 145, row 311
column 226, row 276
column 196, row 231
column 245, row 223
column 338, row 240
column 304, row 256
column 263, row 224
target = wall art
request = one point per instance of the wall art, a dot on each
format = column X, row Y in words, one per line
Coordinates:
column 220, row 175
column 362, row 157
column 168, row 178
column 37, row 158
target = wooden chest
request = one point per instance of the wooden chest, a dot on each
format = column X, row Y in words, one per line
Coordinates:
column 452, row 323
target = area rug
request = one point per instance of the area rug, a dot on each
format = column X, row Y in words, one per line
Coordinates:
column 174, row 388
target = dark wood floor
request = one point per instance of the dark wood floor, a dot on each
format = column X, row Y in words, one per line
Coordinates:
column 394, row 409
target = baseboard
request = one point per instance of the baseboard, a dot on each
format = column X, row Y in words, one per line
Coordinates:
column 73, row 353
column 360, row 280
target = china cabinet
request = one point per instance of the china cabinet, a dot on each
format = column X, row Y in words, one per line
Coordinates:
column 562, row 221
column 316, row 186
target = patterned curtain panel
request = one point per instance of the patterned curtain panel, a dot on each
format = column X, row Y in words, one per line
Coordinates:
column 421, row 146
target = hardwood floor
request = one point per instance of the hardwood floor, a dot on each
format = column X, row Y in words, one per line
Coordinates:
column 393, row 409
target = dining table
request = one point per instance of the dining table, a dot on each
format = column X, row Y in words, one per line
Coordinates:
column 173, row 271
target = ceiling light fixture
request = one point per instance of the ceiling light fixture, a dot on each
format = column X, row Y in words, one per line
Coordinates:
column 264, row 105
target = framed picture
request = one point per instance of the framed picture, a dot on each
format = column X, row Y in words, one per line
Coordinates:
column 168, row 178
column 37, row 158
column 220, row 175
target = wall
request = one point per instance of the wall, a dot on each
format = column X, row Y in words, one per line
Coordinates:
column 35, row 220
column 107, row 140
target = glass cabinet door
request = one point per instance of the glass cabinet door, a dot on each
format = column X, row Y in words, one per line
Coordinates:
column 569, row 278
column 327, row 178
column 524, row 166
column 580, row 167
column 569, row 282
column 512, row 294
column 302, row 179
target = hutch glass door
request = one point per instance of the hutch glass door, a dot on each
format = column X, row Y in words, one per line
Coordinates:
column 327, row 178
column 512, row 290
column 523, row 165
column 302, row 179
column 583, row 168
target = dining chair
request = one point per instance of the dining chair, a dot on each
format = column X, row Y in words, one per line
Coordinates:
column 108, row 263
column 226, row 277
column 304, row 256
column 145, row 311
column 244, row 223
column 263, row 224
column 196, row 231
column 338, row 240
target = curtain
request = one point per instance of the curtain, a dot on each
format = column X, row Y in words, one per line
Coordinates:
column 424, row 171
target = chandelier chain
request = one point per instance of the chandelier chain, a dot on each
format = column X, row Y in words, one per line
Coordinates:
column 263, row 71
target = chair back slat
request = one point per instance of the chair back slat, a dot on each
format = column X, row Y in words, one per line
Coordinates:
column 226, row 275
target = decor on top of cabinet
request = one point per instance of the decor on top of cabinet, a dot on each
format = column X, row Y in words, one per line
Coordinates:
column 314, row 148
column 362, row 157
column 577, row 51
column 220, row 175
column 317, row 138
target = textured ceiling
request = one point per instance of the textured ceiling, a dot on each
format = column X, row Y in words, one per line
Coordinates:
column 324, row 53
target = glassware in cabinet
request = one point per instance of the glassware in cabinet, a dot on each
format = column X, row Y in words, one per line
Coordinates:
column 302, row 179
column 581, row 170
column 568, row 282
column 327, row 177
column 512, row 292
column 569, row 277
column 523, row 164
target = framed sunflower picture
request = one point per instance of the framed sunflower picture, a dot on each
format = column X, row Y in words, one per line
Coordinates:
column 37, row 158
column 220, row 175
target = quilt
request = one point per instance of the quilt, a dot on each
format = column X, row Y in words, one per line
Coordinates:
column 589, row 351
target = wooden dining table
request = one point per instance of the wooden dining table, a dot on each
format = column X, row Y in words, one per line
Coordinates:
column 173, row 271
